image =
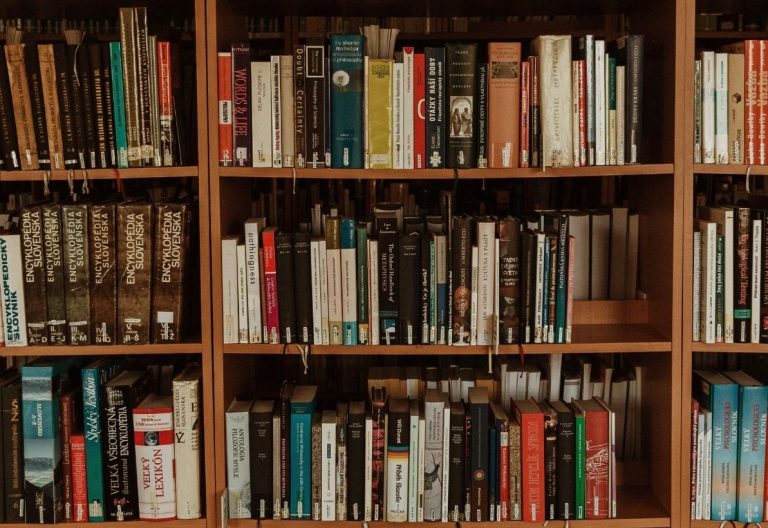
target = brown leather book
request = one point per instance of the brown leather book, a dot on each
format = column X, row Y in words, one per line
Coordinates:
column 31, row 229
column 134, row 271
column 51, row 105
column 22, row 106
column 171, row 238
column 77, row 272
column 504, row 104
column 102, row 238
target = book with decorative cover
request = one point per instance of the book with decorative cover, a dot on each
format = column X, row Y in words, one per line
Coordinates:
column 172, row 223
column 103, row 253
column 435, row 107
column 461, row 88
column 37, row 96
column 153, row 442
column 187, row 440
column 33, row 258
column 54, row 274
column 241, row 109
column 346, row 72
column 22, row 105
column 134, row 272
column 77, row 272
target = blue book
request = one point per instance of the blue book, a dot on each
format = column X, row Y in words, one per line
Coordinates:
column 720, row 395
column 118, row 105
column 348, row 282
column 347, row 76
column 302, row 409
column 41, row 385
column 753, row 410
column 93, row 377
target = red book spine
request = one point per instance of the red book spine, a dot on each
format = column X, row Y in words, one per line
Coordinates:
column 598, row 456
column 751, row 75
column 762, row 105
column 225, row 109
column 67, row 415
column 270, row 286
column 694, row 454
column 164, row 86
column 153, row 443
column 582, row 93
column 79, row 483
column 377, row 462
column 419, row 112
column 525, row 116
column 532, row 453
column 504, row 476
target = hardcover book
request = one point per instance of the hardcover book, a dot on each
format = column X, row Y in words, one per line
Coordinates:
column 285, row 286
column 479, row 460
column 531, row 421
column 300, row 105
column 9, row 149
column 12, row 292
column 172, row 223
column 238, row 457
column 134, row 272
column 388, row 263
column 33, row 258
column 461, row 280
column 103, row 253
column 77, row 272
column 346, row 72
column 241, row 110
column 356, row 446
column 13, row 449
column 379, row 122
column 597, row 458
column 79, row 487
column 187, row 439
column 397, row 460
column 554, row 59
column 456, row 470
column 302, row 268
column 435, row 107
column 316, row 106
column 408, row 280
column 302, row 408
column 504, row 92
column 153, row 442
column 461, row 100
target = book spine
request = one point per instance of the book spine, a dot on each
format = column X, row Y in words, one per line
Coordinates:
column 317, row 318
column 481, row 141
column 419, row 111
column 9, row 149
column 408, row 105
column 388, row 266
column 348, row 283
column 504, row 92
column 79, row 486
column 433, row 456
column 261, row 114
column 165, row 103
column 461, row 273
column 435, row 107
column 378, row 462
column 77, row 272
column 130, row 84
column 328, row 470
column 302, row 269
column 532, row 455
column 368, row 471
column 379, row 129
column 461, row 96
column 554, row 55
column 334, row 278
column 109, row 113
column 721, row 108
column 397, row 466
column 764, row 284
column 479, row 463
column 762, row 104
column 99, row 115
column 580, row 504
column 316, row 108
column 427, row 323
column 596, row 475
column 224, row 87
column 525, row 113
column 719, row 293
column 408, row 288
column 515, row 473
column 37, row 104
column 22, row 106
column 697, row 112
column 751, row 82
column 600, row 103
column 300, row 105
column 324, row 305
column 153, row 441
column 301, row 462
column 742, row 275
column 66, row 416
column 121, row 108
column 276, row 107
column 171, row 237
column 751, row 459
column 562, row 278
column 253, row 282
column 317, row 473
column 723, row 402
column 535, row 114
column 587, row 51
column 456, row 470
column 272, row 330
column 634, row 97
column 287, row 110
column 696, row 295
column 103, row 253
column 373, row 291
column 92, row 378
column 285, row 452
column 32, row 251
column 486, row 290
column 735, row 108
column 241, row 108
column 187, row 438
column 64, row 93
column 756, row 266
column 347, row 53
column 341, row 468
column 397, row 116
column 13, row 453
column 238, row 468
column 285, row 288
column 84, row 90
column 134, row 271
column 144, row 90
column 610, row 66
column 356, row 447
column 550, row 467
column 363, row 285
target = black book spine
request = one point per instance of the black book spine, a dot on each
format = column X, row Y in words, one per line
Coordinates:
column 764, row 284
column 479, row 461
column 54, row 275
column 551, row 292
column 387, row 241
column 409, row 288
column 302, row 270
column 285, row 287
column 76, row 105
column 435, row 110
column 241, row 105
column 315, row 75
column 356, row 466
column 461, row 68
column 566, row 465
column 119, row 457
column 33, row 257
column 561, row 297
column 481, row 127
column 285, row 446
column 528, row 255
column 84, row 80
column 109, row 118
column 379, row 416
column 456, row 470
column 509, row 281
column 260, row 437
column 467, row 464
column 77, row 272
column 36, row 96
column 633, row 58
column 103, row 252
column 66, row 110
column 535, row 113
column 424, row 283
column 143, row 76
column 742, row 290
column 461, row 294
column 550, row 465
column 300, row 105
column 9, row 147
column 13, row 453
column 99, row 111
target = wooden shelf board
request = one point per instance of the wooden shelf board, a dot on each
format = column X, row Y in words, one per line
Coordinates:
column 104, row 174
column 448, row 174
column 587, row 338
column 733, row 348
column 717, row 168
column 730, row 35
column 718, row 524
column 102, row 350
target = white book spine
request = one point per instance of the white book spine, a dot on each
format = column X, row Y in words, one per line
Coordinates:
column 324, row 292
column 277, row 136
column 186, row 427
column 696, row 319
column 253, row 282
column 446, row 434
column 600, row 103
column 396, row 484
column 335, row 298
column 728, row 323
column 328, row 471
column 413, row 468
column 287, row 109
column 229, row 290
column 261, row 114
column 757, row 258
column 575, row 108
column 242, row 295
column 441, row 265
column 701, row 436
column 707, row 491
column 708, row 106
column 373, row 290
column 420, row 479
column 12, row 291
column 368, row 511
column 158, row 490
column 238, row 468
column 486, row 281
column 473, row 301
column 408, row 91
column 554, row 53
column 620, row 113
column 433, row 460
column 721, row 108
column 398, row 104
column 538, row 316
column 317, row 314
column 708, row 259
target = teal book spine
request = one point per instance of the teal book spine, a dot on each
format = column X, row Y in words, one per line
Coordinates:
column 363, row 329
column 561, row 295
column 301, row 460
column 347, row 77
column 753, row 409
column 118, row 105
column 349, row 284
column 580, row 499
column 724, row 404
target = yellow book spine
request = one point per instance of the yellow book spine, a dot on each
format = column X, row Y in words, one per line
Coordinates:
column 380, row 113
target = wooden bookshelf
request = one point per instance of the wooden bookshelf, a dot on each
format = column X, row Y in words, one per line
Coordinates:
column 101, row 174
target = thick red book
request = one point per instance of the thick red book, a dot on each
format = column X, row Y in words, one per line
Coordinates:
column 525, row 112
column 225, row 108
column 597, row 457
column 67, row 406
column 165, row 100
column 531, row 421
column 79, row 482
column 419, row 112
column 153, row 442
column 270, row 285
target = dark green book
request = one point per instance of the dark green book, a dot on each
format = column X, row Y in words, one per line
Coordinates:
column 347, row 52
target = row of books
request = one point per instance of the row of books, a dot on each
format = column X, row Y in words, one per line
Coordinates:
column 730, row 264
column 89, row 105
column 731, row 22
column 84, row 435
column 411, row 280
column 100, row 273
column 346, row 105
column 423, row 458
column 730, row 120
column 93, row 26
column 728, row 431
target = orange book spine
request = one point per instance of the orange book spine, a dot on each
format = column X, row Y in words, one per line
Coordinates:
column 751, row 75
column 597, row 464
column 79, row 483
column 532, row 452
column 503, row 102
column 525, row 86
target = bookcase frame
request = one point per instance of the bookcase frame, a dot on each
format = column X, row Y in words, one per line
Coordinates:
column 200, row 347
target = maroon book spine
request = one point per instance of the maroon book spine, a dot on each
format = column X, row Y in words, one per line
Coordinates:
column 241, row 108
